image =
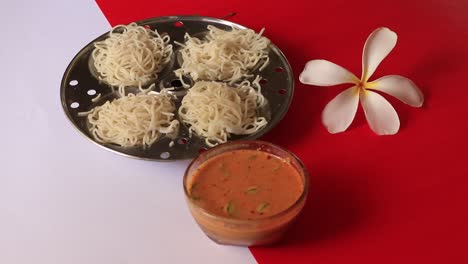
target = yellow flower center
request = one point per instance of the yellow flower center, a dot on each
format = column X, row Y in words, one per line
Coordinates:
column 361, row 86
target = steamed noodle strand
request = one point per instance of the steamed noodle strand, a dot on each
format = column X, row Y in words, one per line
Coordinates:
column 224, row 55
column 215, row 110
column 131, row 56
column 134, row 120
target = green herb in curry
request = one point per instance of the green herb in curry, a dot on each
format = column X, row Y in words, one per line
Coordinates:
column 262, row 207
column 229, row 208
column 251, row 190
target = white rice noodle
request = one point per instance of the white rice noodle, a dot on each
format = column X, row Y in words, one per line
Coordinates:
column 223, row 55
column 134, row 120
column 131, row 56
column 214, row 110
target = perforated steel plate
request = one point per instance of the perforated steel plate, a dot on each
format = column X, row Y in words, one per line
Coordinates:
column 80, row 84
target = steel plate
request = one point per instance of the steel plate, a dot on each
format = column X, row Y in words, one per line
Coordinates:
column 80, row 84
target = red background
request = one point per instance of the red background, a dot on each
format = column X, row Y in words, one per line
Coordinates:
column 373, row 199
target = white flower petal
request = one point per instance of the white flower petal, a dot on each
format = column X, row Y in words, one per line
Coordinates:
column 325, row 73
column 380, row 114
column 378, row 46
column 339, row 112
column 400, row 87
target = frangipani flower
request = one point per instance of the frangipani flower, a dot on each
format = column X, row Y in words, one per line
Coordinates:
column 381, row 116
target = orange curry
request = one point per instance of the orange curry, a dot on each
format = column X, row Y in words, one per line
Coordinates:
column 245, row 184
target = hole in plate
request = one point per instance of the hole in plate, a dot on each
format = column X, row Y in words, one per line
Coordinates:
column 279, row 69
column 282, row 91
column 178, row 24
column 176, row 83
column 165, row 155
column 182, row 141
column 263, row 81
column 91, row 92
column 74, row 105
column 73, row 82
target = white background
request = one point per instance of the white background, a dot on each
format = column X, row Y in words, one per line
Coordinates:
column 62, row 199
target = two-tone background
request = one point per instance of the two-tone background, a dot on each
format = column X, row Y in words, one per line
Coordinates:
column 394, row 199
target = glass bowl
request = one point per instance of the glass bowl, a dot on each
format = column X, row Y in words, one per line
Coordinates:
column 245, row 232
